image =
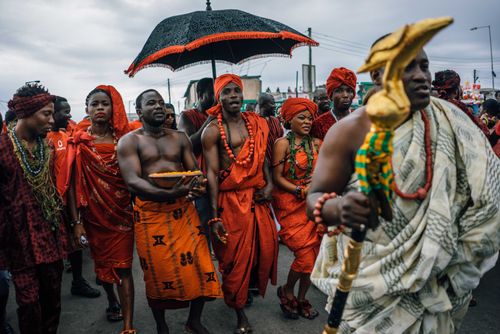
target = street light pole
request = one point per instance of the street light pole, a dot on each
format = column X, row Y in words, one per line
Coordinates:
column 491, row 53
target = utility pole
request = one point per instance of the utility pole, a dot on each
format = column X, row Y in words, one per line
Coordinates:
column 310, row 85
column 168, row 86
column 296, row 83
column 475, row 76
column 493, row 75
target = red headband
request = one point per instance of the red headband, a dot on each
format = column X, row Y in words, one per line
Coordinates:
column 219, row 84
column 294, row 106
column 25, row 106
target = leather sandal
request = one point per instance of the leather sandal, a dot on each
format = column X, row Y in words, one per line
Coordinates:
column 288, row 306
column 306, row 310
column 128, row 331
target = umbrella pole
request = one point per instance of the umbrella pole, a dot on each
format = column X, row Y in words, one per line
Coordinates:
column 214, row 74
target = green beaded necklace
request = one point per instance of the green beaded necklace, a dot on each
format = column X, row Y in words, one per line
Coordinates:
column 306, row 144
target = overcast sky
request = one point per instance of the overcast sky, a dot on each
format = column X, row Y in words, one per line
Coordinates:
column 71, row 46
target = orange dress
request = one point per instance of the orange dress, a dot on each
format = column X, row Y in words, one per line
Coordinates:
column 105, row 206
column 174, row 254
column 64, row 156
column 297, row 232
column 252, row 243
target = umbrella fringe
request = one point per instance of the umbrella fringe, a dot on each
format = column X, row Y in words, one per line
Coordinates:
column 214, row 38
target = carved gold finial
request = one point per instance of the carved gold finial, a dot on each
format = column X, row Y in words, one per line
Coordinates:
column 390, row 107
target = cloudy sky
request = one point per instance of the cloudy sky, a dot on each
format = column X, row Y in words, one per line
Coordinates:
column 73, row 45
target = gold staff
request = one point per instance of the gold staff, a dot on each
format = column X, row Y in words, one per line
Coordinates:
column 386, row 109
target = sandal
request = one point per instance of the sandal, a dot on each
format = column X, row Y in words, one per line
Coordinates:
column 243, row 330
column 306, row 310
column 288, row 306
column 114, row 314
column 128, row 331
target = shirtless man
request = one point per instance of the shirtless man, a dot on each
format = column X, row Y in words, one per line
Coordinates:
column 239, row 180
column 172, row 248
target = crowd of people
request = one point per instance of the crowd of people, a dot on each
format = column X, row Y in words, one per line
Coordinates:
column 67, row 185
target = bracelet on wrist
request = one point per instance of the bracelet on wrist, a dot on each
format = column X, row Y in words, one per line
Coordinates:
column 318, row 208
column 213, row 221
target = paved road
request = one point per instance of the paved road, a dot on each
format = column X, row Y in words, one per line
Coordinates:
column 81, row 315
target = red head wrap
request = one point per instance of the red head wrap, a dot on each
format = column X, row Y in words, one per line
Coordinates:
column 119, row 119
column 444, row 81
column 219, row 84
column 296, row 105
column 25, row 106
column 340, row 76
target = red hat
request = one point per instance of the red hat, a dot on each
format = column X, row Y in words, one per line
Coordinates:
column 219, row 84
column 296, row 105
column 340, row 76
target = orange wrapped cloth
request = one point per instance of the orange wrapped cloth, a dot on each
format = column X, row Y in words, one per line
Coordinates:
column 134, row 125
column 297, row 232
column 82, row 125
column 252, row 242
column 338, row 77
column 64, row 156
column 174, row 254
column 103, row 198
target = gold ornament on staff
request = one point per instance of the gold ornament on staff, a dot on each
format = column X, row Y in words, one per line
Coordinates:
column 387, row 109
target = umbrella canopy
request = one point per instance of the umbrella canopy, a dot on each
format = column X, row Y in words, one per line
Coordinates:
column 230, row 36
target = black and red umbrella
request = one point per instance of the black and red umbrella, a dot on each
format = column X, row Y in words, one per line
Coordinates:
column 229, row 36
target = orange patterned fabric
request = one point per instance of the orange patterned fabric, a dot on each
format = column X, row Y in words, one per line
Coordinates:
column 173, row 252
column 252, row 243
column 105, row 206
column 64, row 156
column 219, row 84
column 297, row 232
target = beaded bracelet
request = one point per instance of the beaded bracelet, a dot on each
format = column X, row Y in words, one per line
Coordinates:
column 300, row 192
column 318, row 207
column 214, row 220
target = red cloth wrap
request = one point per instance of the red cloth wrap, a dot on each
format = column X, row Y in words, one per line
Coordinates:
column 105, row 206
column 295, row 105
column 219, row 84
column 252, row 243
column 119, row 120
column 25, row 106
column 340, row 76
column 297, row 232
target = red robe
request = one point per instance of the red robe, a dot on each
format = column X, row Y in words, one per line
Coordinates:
column 26, row 239
column 252, row 243
column 105, row 206
column 64, row 156
column 198, row 119
column 275, row 132
column 322, row 124
column 297, row 232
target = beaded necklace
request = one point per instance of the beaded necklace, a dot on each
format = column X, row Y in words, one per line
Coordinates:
column 37, row 173
column 421, row 192
column 306, row 145
column 246, row 160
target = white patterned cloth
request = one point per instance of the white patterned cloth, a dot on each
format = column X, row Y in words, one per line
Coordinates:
column 417, row 271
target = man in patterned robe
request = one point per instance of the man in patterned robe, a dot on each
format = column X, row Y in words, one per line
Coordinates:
column 418, row 270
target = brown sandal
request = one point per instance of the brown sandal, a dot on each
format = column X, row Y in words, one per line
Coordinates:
column 306, row 310
column 288, row 306
column 128, row 331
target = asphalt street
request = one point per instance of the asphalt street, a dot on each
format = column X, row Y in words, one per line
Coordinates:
column 80, row 315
